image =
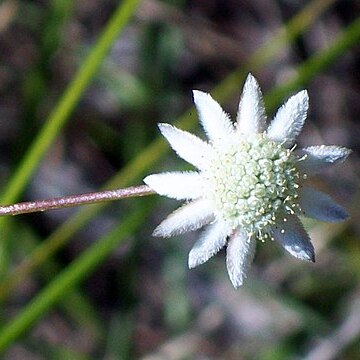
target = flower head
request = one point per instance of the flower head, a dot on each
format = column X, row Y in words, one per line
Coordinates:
column 249, row 183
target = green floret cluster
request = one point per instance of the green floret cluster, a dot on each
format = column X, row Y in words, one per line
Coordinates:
column 251, row 183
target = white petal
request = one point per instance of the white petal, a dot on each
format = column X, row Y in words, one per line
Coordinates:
column 176, row 185
column 317, row 158
column 239, row 256
column 293, row 237
column 211, row 242
column 289, row 119
column 251, row 113
column 214, row 120
column 320, row 206
column 187, row 146
column 189, row 217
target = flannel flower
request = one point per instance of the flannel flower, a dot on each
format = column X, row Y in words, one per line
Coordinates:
column 249, row 183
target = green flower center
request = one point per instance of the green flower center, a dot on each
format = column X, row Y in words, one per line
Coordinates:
column 251, row 183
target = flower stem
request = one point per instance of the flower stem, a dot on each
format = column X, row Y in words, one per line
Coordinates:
column 74, row 200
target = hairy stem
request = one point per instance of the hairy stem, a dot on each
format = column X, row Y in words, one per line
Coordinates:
column 74, row 200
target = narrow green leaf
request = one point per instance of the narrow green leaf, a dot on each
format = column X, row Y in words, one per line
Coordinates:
column 77, row 271
column 60, row 114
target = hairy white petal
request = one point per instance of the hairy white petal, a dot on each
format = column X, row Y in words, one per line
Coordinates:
column 316, row 158
column 187, row 146
column 210, row 242
column 251, row 113
column 320, row 206
column 189, row 217
column 239, row 256
column 289, row 119
column 293, row 237
column 214, row 120
column 176, row 185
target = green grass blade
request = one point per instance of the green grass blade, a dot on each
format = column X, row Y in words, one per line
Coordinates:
column 70, row 98
column 61, row 113
column 266, row 53
column 75, row 304
column 305, row 72
column 71, row 276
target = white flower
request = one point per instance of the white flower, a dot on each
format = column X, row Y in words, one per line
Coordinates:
column 249, row 182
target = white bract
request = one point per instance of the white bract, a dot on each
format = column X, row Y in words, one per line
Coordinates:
column 250, row 181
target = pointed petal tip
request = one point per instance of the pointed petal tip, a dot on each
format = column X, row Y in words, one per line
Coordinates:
column 313, row 259
column 308, row 255
column 303, row 94
column 211, row 241
column 251, row 115
column 302, row 253
column 148, row 179
column 198, row 93
column 236, row 283
column 250, row 78
column 158, row 232
column 145, row 179
column 196, row 259
column 294, row 239
column 251, row 85
column 201, row 98
column 188, row 146
column 193, row 260
column 213, row 118
column 163, row 126
column 163, row 231
column 239, row 256
column 345, row 153
column 289, row 119
column 179, row 185
column 301, row 98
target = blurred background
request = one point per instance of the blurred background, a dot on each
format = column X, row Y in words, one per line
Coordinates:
column 92, row 283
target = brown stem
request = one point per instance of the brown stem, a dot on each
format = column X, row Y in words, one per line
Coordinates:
column 74, row 200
